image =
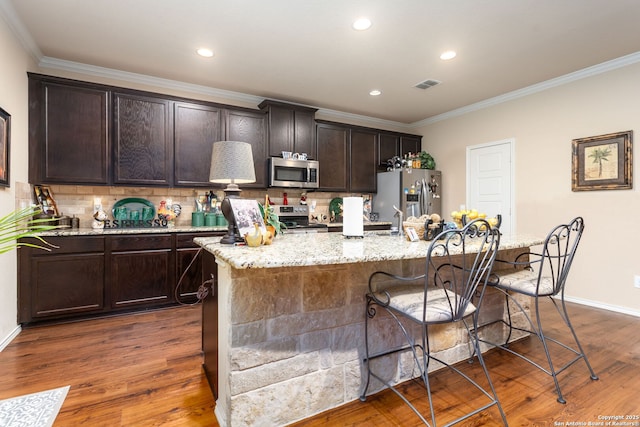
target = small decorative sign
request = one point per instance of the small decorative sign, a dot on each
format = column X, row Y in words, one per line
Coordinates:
column 140, row 223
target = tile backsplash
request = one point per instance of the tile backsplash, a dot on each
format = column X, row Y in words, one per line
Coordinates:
column 78, row 200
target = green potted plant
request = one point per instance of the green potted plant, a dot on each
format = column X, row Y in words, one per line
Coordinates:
column 20, row 224
column 426, row 160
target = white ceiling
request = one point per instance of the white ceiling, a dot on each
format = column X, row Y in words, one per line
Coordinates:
column 305, row 51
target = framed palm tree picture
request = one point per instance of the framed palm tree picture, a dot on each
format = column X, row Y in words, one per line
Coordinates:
column 603, row 162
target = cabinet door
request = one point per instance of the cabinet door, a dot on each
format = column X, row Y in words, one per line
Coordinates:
column 143, row 145
column 189, row 268
column 333, row 157
column 410, row 144
column 64, row 285
column 69, row 134
column 142, row 270
column 364, row 161
column 305, row 133
column 388, row 147
column 196, row 128
column 247, row 126
column 281, row 130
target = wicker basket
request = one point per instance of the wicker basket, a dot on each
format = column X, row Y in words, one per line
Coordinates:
column 418, row 226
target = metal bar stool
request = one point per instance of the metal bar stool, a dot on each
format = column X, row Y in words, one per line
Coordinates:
column 538, row 276
column 458, row 263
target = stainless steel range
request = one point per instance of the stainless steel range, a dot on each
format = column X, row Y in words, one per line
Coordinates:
column 296, row 218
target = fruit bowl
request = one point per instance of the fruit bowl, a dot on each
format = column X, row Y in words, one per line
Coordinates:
column 493, row 222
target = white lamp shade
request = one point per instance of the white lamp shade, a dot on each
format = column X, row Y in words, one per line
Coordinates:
column 232, row 163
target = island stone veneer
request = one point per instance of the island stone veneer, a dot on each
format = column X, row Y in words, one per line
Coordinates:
column 291, row 322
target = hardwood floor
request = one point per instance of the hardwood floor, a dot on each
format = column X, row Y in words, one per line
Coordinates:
column 145, row 370
column 134, row 370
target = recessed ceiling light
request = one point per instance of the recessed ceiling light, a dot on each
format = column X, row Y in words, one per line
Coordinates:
column 450, row 54
column 375, row 92
column 207, row 53
column 361, row 24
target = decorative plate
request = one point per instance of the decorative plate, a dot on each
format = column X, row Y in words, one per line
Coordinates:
column 123, row 209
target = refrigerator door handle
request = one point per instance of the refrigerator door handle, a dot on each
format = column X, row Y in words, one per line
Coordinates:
column 424, row 199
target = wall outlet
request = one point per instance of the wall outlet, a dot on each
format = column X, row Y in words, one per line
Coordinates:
column 636, row 281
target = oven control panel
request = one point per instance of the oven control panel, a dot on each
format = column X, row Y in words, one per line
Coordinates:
column 291, row 210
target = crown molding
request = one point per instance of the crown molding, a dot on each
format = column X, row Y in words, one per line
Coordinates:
column 8, row 13
column 125, row 76
column 604, row 67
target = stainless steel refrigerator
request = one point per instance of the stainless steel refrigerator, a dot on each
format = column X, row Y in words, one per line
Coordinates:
column 415, row 192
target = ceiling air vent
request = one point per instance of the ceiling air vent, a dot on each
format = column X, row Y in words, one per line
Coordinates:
column 427, row 84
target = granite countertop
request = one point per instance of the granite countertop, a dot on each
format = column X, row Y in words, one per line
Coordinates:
column 293, row 250
column 86, row 231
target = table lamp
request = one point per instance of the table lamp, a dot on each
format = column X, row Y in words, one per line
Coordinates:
column 231, row 164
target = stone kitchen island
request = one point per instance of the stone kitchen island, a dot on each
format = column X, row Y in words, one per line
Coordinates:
column 283, row 333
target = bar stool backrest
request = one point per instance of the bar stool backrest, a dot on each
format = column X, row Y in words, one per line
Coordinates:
column 460, row 262
column 558, row 252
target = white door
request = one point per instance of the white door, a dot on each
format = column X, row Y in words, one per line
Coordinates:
column 490, row 175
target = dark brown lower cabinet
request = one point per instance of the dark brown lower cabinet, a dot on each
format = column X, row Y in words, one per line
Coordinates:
column 89, row 276
column 141, row 270
column 66, row 282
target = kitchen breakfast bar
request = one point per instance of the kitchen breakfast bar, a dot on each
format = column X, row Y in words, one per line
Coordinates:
column 283, row 328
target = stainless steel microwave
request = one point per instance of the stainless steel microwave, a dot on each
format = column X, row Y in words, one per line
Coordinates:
column 293, row 173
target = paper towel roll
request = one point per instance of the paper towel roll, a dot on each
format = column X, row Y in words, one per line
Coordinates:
column 352, row 219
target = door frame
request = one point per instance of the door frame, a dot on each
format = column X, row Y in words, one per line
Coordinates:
column 512, row 173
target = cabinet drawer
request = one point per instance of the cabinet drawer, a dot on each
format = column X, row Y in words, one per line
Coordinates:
column 68, row 245
column 140, row 242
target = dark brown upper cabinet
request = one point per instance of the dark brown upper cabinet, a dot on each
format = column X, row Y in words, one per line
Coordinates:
column 388, row 148
column 333, row 157
column 410, row 144
column 364, row 161
column 196, row 128
column 143, row 144
column 251, row 127
column 348, row 157
column 89, row 134
column 291, row 128
column 68, row 132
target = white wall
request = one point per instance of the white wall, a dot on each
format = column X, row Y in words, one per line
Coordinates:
column 543, row 126
column 14, row 100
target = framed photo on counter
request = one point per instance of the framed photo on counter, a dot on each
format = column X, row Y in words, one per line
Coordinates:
column 602, row 162
column 44, row 198
column 5, row 138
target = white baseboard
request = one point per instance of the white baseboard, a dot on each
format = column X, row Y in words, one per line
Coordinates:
column 598, row 304
column 5, row 342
